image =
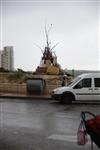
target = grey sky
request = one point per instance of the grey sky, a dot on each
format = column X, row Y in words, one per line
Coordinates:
column 75, row 28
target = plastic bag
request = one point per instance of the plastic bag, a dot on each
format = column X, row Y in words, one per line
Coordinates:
column 81, row 134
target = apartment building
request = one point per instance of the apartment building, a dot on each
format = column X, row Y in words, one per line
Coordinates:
column 7, row 58
column 0, row 58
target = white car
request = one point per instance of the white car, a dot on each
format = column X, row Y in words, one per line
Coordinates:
column 83, row 87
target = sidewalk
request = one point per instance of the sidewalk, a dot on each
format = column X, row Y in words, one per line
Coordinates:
column 23, row 96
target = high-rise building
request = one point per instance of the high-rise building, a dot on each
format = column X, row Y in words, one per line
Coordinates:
column 0, row 59
column 8, row 58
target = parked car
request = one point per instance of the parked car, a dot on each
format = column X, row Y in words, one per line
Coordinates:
column 83, row 87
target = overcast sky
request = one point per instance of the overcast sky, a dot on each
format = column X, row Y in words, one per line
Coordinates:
column 75, row 26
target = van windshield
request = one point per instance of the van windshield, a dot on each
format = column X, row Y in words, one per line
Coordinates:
column 73, row 81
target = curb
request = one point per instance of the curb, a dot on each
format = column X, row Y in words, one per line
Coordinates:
column 41, row 97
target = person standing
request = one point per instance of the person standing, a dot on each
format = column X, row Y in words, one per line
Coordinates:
column 64, row 80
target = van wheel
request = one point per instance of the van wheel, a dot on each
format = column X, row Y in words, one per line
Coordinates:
column 67, row 99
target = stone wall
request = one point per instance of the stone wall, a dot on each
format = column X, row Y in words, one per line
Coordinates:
column 52, row 81
column 13, row 88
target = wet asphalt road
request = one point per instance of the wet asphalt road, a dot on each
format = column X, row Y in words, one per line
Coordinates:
column 41, row 125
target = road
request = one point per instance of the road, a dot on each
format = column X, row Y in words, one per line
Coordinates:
column 41, row 124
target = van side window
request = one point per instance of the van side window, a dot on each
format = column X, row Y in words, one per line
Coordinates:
column 97, row 82
column 85, row 83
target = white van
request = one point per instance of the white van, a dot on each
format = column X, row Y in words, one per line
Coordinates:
column 83, row 87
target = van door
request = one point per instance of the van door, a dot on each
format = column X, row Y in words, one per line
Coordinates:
column 84, row 89
column 96, row 89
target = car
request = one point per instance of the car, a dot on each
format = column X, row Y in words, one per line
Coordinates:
column 83, row 87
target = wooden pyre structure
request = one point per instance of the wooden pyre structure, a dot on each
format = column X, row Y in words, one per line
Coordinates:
column 48, row 61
